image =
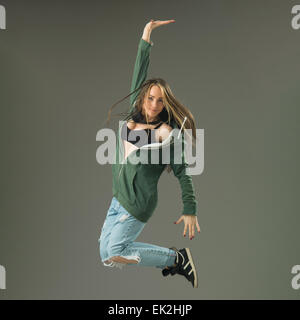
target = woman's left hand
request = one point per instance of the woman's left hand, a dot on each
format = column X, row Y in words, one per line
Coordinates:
column 189, row 222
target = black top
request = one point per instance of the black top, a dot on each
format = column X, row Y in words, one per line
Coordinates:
column 137, row 137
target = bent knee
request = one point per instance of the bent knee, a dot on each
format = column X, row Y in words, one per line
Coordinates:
column 114, row 249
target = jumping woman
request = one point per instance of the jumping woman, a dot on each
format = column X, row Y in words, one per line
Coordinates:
column 153, row 115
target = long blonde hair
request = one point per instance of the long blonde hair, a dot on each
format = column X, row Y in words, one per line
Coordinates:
column 174, row 108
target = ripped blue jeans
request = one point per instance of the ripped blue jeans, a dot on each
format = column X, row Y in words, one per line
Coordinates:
column 118, row 233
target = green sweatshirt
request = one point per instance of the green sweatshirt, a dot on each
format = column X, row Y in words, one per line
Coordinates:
column 135, row 185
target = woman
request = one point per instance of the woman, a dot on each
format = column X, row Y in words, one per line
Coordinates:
column 153, row 115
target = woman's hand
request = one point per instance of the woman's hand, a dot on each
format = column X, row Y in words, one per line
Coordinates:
column 152, row 25
column 189, row 222
column 157, row 23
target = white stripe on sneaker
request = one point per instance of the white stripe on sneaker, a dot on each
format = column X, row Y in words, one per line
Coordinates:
column 182, row 258
column 186, row 265
column 193, row 268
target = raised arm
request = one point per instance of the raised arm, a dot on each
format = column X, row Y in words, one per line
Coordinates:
column 141, row 64
column 143, row 58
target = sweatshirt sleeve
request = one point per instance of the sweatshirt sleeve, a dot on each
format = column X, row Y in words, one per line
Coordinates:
column 186, row 184
column 140, row 68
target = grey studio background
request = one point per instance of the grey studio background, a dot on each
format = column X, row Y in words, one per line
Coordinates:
column 235, row 64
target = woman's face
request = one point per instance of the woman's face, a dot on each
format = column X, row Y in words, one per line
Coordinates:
column 153, row 105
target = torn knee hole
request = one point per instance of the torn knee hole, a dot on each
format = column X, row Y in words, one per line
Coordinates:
column 124, row 217
column 126, row 259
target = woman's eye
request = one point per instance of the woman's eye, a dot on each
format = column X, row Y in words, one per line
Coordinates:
column 150, row 98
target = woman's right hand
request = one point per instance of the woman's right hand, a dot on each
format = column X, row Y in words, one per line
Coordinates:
column 157, row 23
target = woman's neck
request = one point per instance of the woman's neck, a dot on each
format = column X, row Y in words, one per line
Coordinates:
column 151, row 119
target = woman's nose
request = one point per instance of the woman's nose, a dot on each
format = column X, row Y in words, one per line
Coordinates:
column 154, row 104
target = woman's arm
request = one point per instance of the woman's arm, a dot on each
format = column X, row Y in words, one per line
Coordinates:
column 147, row 33
column 141, row 64
column 189, row 214
column 187, row 188
column 179, row 169
column 143, row 58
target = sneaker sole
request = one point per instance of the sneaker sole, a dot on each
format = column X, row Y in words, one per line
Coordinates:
column 188, row 251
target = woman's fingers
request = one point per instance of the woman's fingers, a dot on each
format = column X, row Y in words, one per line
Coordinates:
column 190, row 231
column 184, row 231
column 179, row 220
column 198, row 227
column 189, row 225
column 164, row 21
column 158, row 23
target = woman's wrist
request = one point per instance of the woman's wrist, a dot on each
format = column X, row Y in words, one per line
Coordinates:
column 146, row 34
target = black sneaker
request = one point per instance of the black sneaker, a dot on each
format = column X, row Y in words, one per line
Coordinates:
column 184, row 266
